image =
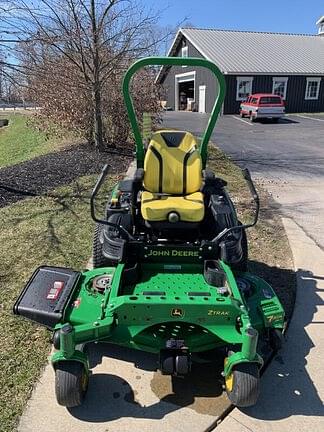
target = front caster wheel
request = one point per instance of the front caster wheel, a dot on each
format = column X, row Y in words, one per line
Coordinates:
column 71, row 383
column 243, row 384
column 182, row 364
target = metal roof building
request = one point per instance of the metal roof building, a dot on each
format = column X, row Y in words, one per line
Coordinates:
column 291, row 65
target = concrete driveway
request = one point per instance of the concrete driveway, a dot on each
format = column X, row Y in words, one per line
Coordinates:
column 288, row 158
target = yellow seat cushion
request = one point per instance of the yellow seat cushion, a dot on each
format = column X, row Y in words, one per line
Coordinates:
column 174, row 170
column 156, row 208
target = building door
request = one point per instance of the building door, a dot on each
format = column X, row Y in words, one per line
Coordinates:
column 184, row 90
column 202, row 99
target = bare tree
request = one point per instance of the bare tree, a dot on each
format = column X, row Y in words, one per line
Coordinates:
column 88, row 41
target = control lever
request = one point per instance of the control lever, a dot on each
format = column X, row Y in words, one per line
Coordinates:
column 95, row 191
column 255, row 196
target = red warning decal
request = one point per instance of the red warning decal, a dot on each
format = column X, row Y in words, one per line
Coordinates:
column 55, row 291
column 76, row 303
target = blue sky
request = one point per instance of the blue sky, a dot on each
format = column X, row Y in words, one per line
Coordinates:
column 291, row 16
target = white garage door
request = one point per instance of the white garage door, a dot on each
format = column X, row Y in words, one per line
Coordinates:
column 202, row 99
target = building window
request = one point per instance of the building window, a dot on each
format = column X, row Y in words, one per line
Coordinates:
column 184, row 53
column 279, row 86
column 243, row 88
column 312, row 88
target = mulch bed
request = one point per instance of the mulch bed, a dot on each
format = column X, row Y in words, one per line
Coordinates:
column 44, row 173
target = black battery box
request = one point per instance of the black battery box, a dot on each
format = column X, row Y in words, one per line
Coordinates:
column 47, row 294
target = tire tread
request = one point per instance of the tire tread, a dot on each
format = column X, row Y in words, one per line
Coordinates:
column 68, row 383
column 246, row 388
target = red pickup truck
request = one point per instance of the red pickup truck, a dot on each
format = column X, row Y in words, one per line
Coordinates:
column 263, row 105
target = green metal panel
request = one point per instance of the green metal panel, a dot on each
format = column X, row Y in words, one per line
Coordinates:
column 173, row 61
column 170, row 301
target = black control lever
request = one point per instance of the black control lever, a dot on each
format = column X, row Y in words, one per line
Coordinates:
column 247, row 178
column 95, row 191
column 255, row 196
column 254, row 193
column 101, row 179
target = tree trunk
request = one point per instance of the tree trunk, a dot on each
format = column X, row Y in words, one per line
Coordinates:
column 96, row 84
column 97, row 119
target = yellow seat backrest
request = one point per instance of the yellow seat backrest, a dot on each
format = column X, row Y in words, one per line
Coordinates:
column 172, row 164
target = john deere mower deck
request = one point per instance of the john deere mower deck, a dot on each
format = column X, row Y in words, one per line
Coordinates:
column 170, row 272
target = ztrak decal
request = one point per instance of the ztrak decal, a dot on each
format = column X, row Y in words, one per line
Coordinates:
column 215, row 312
column 272, row 318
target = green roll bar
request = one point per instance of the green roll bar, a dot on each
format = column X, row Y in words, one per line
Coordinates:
column 173, row 61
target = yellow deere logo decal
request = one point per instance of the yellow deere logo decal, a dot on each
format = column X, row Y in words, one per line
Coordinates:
column 177, row 313
column 172, row 253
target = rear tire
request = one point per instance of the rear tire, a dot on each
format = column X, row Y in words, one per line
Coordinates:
column 242, row 265
column 98, row 259
column 243, row 384
column 71, row 383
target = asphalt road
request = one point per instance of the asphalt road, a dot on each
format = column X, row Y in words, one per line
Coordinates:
column 287, row 158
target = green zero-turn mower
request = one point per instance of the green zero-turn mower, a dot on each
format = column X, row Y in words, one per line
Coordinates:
column 170, row 269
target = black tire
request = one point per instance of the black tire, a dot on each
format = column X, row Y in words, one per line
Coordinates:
column 245, row 385
column 242, row 265
column 98, row 259
column 182, row 364
column 71, row 383
column 167, row 366
column 275, row 119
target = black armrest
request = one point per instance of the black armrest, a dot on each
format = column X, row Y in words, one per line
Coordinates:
column 139, row 175
column 211, row 181
column 208, row 175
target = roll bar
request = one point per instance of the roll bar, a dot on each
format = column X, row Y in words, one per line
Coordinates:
column 173, row 61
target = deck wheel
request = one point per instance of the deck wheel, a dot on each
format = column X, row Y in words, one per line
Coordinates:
column 71, row 383
column 182, row 364
column 167, row 364
column 243, row 384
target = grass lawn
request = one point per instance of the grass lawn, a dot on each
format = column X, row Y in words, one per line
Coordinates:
column 52, row 231
column 34, row 232
column 18, row 142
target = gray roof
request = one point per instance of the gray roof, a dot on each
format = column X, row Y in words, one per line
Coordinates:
column 242, row 52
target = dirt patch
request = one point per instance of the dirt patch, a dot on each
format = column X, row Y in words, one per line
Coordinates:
column 44, row 173
column 201, row 390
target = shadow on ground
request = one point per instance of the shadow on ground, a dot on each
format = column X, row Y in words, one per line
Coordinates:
column 280, row 121
column 283, row 281
column 287, row 388
column 111, row 397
